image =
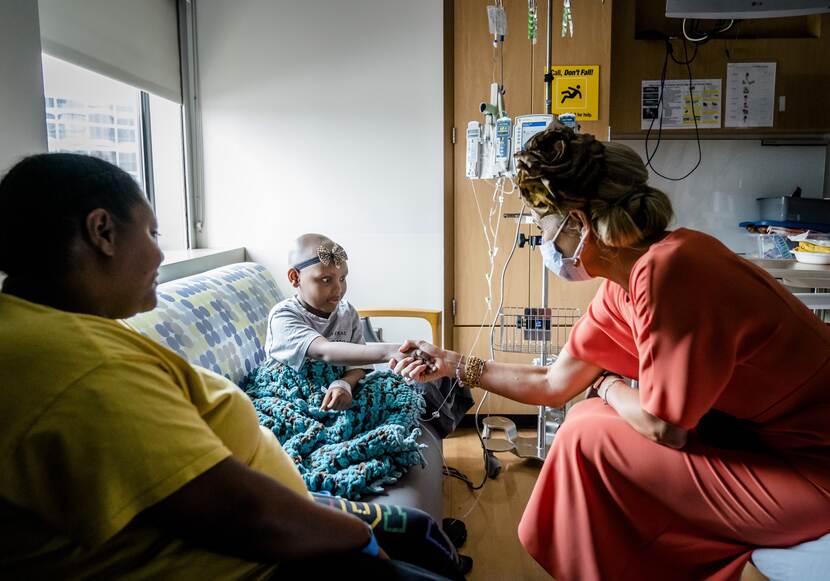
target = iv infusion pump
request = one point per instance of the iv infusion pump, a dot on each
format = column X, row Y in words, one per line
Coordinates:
column 473, row 166
column 526, row 127
column 491, row 145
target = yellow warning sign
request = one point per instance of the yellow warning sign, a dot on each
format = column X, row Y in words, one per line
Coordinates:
column 576, row 90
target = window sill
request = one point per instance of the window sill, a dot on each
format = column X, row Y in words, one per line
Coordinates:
column 181, row 263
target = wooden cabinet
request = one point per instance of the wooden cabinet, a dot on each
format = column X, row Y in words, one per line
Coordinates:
column 475, row 66
column 613, row 34
column 799, row 46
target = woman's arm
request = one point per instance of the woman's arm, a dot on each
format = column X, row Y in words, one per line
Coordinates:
column 626, row 401
column 233, row 509
column 551, row 386
column 339, row 353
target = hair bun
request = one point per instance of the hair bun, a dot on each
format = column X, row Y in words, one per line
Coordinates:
column 562, row 161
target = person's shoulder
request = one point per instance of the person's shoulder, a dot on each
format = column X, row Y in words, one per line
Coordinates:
column 52, row 333
column 287, row 308
column 53, row 350
column 684, row 259
column 346, row 309
column 607, row 300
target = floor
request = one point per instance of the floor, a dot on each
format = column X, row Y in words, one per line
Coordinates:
column 492, row 514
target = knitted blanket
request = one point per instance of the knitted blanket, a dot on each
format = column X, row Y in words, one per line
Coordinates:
column 350, row 453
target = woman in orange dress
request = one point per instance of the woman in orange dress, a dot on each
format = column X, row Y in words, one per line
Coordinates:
column 725, row 445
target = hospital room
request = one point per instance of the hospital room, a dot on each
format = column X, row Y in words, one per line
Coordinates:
column 415, row 290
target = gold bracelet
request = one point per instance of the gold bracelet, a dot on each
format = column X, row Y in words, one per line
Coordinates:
column 472, row 371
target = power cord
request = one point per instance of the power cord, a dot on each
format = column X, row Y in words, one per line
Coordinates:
column 698, row 37
column 687, row 62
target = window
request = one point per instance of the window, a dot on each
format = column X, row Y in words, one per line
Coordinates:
column 127, row 161
column 99, row 118
column 102, row 134
column 141, row 133
column 73, row 132
column 67, row 117
column 126, row 135
column 109, row 156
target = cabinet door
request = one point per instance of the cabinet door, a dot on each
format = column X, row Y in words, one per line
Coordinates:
column 475, row 66
column 799, row 47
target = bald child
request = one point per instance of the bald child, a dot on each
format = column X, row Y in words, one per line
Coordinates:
column 318, row 324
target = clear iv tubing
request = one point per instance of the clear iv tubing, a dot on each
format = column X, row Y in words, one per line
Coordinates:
column 492, row 350
column 503, row 273
column 500, row 193
column 501, row 304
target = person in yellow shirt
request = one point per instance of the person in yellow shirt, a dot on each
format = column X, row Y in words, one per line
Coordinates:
column 117, row 458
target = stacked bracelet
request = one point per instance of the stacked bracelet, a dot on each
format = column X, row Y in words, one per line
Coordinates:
column 473, row 367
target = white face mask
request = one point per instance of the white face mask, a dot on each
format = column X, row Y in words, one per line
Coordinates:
column 565, row 268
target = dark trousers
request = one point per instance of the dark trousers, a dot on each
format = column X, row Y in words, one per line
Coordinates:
column 406, row 534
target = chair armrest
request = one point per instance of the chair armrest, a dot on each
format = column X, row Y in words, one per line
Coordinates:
column 431, row 316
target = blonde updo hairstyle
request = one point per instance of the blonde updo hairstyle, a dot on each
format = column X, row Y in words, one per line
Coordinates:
column 560, row 171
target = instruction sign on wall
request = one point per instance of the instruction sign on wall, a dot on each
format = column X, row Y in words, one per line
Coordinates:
column 576, row 90
column 750, row 94
column 673, row 108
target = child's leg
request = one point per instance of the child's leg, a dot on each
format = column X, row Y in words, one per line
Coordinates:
column 406, row 534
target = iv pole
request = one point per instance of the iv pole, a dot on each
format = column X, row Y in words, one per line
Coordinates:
column 541, row 418
column 541, row 324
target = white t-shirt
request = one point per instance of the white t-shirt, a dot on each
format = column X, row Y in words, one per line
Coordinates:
column 292, row 328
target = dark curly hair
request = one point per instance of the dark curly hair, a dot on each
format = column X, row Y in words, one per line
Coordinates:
column 562, row 171
column 44, row 201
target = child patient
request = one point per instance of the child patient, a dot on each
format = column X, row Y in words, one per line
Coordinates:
column 318, row 324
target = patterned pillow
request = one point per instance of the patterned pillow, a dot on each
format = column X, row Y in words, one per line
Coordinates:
column 216, row 319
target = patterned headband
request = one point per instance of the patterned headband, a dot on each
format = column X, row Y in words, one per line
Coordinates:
column 326, row 256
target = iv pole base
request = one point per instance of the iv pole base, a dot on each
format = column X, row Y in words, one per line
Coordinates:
column 500, row 435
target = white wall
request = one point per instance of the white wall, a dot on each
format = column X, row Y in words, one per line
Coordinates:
column 22, row 112
column 326, row 116
column 722, row 191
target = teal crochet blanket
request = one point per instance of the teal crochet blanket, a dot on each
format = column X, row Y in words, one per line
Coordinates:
column 350, row 453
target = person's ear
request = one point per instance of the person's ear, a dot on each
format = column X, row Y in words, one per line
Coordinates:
column 584, row 222
column 100, row 230
column 294, row 277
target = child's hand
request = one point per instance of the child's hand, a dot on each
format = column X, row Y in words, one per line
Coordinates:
column 412, row 350
column 424, row 362
column 396, row 350
column 338, row 396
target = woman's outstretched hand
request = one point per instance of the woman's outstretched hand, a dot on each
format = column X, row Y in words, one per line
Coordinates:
column 421, row 361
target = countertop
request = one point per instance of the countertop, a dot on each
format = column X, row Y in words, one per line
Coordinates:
column 798, row 274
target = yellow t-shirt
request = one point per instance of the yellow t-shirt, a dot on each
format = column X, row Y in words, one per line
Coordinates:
column 98, row 423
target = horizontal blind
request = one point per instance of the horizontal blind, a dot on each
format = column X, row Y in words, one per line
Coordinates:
column 136, row 42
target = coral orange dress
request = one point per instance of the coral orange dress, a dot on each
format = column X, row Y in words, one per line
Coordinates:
column 701, row 329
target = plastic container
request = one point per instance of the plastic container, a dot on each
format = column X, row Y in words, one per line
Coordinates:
column 789, row 209
column 769, row 247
